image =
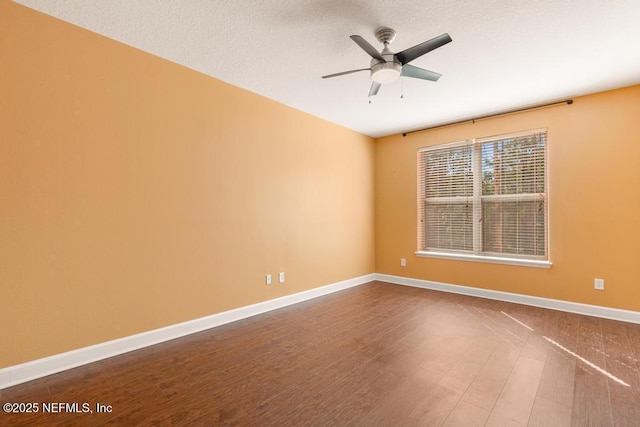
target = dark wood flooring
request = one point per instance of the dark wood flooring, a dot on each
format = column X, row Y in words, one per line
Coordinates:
column 373, row 355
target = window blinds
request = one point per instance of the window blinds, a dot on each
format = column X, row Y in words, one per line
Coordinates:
column 486, row 196
column 447, row 207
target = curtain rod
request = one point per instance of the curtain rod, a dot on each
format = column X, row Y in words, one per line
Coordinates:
column 474, row 119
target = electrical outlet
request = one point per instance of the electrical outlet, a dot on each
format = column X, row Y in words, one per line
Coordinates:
column 267, row 279
column 403, row 262
column 281, row 277
column 598, row 284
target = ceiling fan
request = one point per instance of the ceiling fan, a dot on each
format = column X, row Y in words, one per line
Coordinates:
column 387, row 66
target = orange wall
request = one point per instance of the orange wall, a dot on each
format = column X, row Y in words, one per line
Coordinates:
column 136, row 194
column 594, row 187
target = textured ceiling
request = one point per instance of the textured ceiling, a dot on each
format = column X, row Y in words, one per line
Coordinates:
column 504, row 54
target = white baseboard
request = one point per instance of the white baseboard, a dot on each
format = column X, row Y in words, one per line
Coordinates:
column 24, row 372
column 35, row 369
column 571, row 307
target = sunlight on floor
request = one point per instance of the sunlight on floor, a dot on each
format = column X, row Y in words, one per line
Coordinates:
column 577, row 356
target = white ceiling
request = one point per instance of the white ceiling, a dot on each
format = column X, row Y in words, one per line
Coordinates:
column 505, row 53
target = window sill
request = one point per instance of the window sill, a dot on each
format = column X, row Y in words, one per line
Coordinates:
column 484, row 258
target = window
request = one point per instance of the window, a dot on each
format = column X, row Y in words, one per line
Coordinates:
column 485, row 199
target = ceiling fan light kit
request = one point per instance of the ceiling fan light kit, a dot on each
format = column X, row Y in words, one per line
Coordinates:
column 385, row 72
column 387, row 66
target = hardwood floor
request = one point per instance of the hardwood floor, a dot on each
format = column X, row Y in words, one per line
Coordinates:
column 377, row 354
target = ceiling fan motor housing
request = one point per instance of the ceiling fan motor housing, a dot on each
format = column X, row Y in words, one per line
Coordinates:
column 388, row 71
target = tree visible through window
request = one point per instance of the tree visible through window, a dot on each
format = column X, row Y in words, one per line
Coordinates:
column 485, row 197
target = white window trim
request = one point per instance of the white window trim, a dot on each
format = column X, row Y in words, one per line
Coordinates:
column 485, row 258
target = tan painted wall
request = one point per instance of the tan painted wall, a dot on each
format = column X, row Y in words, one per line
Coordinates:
column 135, row 193
column 594, row 168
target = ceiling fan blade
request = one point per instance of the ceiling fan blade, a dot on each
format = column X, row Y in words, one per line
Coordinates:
column 345, row 72
column 419, row 73
column 375, row 87
column 418, row 50
column 367, row 47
